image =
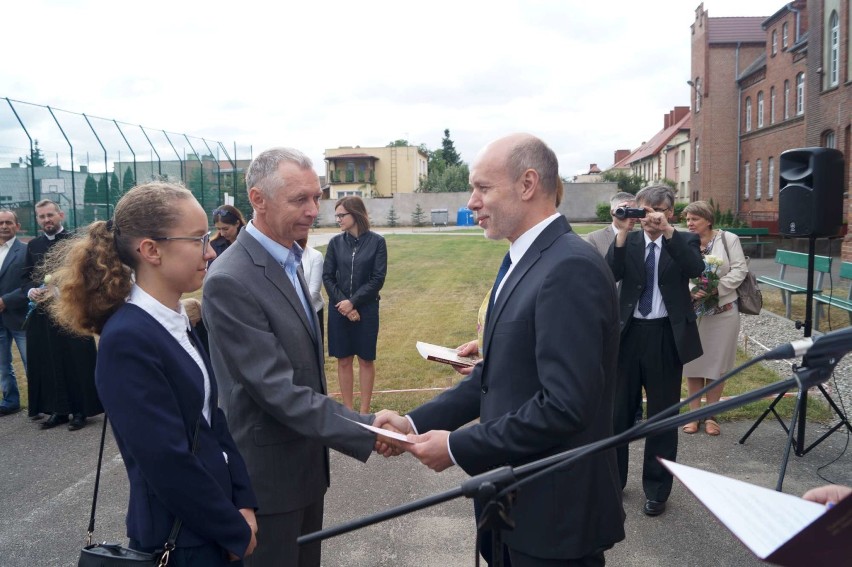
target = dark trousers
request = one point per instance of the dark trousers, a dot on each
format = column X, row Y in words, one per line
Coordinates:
column 523, row 560
column 276, row 538
column 648, row 359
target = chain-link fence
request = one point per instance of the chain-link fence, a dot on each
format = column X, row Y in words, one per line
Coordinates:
column 86, row 163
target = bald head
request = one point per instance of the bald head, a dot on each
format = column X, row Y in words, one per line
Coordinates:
column 521, row 152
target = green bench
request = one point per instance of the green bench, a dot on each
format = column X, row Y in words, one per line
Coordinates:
column 746, row 234
column 838, row 302
column 786, row 258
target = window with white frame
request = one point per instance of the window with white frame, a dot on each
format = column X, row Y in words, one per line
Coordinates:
column 748, row 115
column 774, row 42
column 829, row 140
column 760, row 109
column 697, row 94
column 800, row 94
column 785, row 36
column 770, row 179
column 758, row 179
column 697, row 155
column 786, row 99
column 747, row 174
column 772, row 105
column 833, row 49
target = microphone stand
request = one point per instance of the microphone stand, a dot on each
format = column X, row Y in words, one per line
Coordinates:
column 498, row 485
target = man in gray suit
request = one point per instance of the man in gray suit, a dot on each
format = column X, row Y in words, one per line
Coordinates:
column 13, row 309
column 268, row 359
column 602, row 239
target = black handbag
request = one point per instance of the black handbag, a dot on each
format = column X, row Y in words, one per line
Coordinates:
column 116, row 555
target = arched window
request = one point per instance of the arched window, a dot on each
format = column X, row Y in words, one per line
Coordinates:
column 747, row 174
column 800, row 94
column 748, row 115
column 786, row 100
column 770, row 179
column 758, row 179
column 774, row 42
column 772, row 105
column 833, row 49
column 785, row 37
column 760, row 109
column 697, row 94
column 697, row 155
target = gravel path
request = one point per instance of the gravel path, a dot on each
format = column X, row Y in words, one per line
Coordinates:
column 768, row 330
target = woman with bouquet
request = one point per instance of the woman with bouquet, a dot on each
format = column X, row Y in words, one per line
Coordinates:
column 714, row 296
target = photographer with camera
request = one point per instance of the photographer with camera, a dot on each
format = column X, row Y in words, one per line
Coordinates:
column 659, row 333
column 602, row 239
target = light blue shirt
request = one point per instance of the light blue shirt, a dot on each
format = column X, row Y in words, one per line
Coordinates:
column 290, row 259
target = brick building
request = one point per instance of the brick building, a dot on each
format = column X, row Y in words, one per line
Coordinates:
column 762, row 86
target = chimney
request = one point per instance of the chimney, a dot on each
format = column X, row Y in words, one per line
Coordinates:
column 667, row 120
column 593, row 168
column 620, row 155
column 84, row 169
column 679, row 113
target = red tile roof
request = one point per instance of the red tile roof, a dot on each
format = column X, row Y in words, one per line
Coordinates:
column 657, row 143
column 352, row 156
column 733, row 30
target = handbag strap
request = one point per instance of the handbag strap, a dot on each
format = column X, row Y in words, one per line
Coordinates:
column 170, row 544
column 725, row 244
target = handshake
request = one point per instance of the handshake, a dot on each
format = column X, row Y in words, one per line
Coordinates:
column 432, row 448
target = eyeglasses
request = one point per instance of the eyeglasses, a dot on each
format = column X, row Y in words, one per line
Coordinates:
column 341, row 215
column 204, row 239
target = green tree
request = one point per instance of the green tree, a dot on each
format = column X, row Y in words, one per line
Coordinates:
column 103, row 188
column 446, row 179
column 127, row 182
column 418, row 217
column 393, row 219
column 36, row 159
column 114, row 189
column 626, row 181
column 398, row 144
column 448, row 150
column 90, row 190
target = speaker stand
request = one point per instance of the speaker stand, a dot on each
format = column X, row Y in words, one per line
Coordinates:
column 798, row 421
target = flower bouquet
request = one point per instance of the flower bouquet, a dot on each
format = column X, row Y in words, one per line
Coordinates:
column 708, row 282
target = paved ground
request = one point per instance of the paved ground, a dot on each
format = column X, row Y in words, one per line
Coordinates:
column 47, row 479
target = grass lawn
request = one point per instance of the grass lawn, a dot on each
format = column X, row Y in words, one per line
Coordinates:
column 434, row 288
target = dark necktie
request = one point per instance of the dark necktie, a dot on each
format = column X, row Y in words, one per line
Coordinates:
column 647, row 297
column 501, row 273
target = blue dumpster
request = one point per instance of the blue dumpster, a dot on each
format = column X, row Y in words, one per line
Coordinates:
column 464, row 217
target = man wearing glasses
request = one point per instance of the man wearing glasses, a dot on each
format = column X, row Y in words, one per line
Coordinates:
column 659, row 333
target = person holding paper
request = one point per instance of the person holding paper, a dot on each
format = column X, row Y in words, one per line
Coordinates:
column 547, row 379
column 828, row 494
column 272, row 380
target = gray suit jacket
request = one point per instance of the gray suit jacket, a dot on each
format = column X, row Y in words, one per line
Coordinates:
column 601, row 239
column 269, row 368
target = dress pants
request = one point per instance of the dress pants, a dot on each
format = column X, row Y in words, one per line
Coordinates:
column 523, row 560
column 648, row 358
column 276, row 538
column 210, row 555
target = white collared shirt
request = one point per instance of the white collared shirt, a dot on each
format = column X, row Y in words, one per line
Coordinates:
column 4, row 249
column 658, row 307
column 521, row 244
column 177, row 324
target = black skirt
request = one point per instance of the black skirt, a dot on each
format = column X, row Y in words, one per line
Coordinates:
column 354, row 338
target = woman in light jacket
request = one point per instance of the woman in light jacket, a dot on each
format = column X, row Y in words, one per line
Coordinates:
column 719, row 318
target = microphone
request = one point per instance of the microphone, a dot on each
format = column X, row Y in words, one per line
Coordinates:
column 820, row 350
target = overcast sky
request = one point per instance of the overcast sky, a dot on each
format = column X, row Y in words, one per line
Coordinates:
column 589, row 77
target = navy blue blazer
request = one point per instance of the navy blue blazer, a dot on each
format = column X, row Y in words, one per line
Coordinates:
column 546, row 385
column 153, row 392
column 13, row 296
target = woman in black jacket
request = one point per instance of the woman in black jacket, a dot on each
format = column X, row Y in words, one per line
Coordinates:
column 355, row 266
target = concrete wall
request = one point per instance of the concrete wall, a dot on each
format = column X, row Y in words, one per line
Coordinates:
column 579, row 204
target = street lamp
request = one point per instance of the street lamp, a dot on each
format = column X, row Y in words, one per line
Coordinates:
column 698, row 95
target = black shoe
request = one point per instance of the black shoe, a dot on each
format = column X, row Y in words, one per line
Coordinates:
column 37, row 417
column 9, row 411
column 78, row 421
column 654, row 508
column 54, row 420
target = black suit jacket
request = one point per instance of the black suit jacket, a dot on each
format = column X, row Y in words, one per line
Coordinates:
column 680, row 259
column 546, row 385
column 13, row 296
